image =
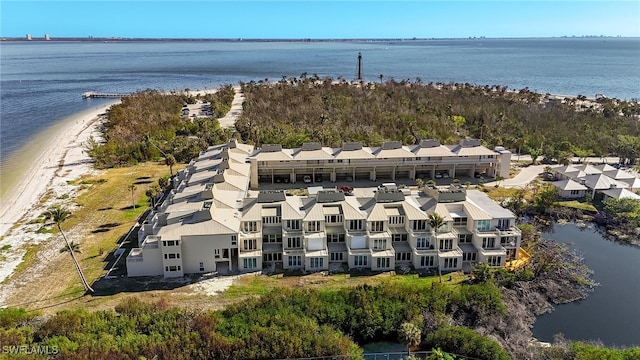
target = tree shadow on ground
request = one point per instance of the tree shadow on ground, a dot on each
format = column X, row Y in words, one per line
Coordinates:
column 105, row 227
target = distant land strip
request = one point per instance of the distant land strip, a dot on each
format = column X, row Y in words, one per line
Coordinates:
column 124, row 39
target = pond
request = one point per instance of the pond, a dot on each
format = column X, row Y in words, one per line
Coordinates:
column 611, row 313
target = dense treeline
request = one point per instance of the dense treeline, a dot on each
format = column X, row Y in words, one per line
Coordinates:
column 285, row 323
column 147, row 126
column 293, row 111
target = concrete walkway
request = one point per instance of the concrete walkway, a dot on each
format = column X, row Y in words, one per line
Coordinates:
column 229, row 120
column 524, row 177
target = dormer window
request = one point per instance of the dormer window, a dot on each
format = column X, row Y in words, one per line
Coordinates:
column 377, row 226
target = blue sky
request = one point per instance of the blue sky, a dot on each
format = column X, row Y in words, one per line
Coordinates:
column 318, row 19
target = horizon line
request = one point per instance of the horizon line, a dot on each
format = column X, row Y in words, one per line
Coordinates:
column 301, row 39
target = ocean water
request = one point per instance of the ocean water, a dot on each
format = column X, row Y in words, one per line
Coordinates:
column 41, row 82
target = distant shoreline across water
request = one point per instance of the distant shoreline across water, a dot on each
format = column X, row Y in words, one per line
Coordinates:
column 42, row 81
column 122, row 39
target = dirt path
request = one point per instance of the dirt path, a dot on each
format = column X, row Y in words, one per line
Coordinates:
column 229, row 120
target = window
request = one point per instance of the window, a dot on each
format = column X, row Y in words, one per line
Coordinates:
column 313, row 225
column 234, row 240
column 422, row 243
column 360, row 260
column 403, row 256
column 171, row 243
column 334, row 238
column 271, row 220
column 294, row 242
column 293, row 224
column 201, row 266
column 451, row 263
column 271, row 238
column 459, row 221
column 317, row 263
column 250, row 263
column 173, row 268
column 575, row 192
column 494, row 260
column 396, row 220
column 216, row 253
column 333, row 219
column 383, row 262
column 399, row 237
column 355, row 225
column 426, row 261
column 250, row 226
column 469, row 256
column 483, row 225
column 379, row 244
column 419, row 225
column 504, row 224
column 488, row 243
column 295, row 260
column 446, row 244
column 172, row 256
column 508, row 241
column 250, row 244
column 377, row 226
column 272, row 257
column 336, row 256
column 465, row 238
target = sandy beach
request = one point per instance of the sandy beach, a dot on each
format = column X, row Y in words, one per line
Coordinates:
column 42, row 172
column 61, row 159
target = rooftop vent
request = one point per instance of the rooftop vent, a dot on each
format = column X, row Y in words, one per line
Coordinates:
column 467, row 143
column 429, row 143
column 271, row 147
column 311, row 146
column 270, row 196
column 327, row 196
column 350, row 146
column 391, row 145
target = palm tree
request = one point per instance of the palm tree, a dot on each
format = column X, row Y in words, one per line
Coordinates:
column 132, row 187
column 73, row 246
column 410, row 335
column 170, row 160
column 152, row 193
column 58, row 214
column 436, row 221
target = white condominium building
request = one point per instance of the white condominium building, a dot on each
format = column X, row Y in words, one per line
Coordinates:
column 213, row 222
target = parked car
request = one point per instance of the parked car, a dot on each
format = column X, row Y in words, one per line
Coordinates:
column 306, row 179
column 346, row 189
column 318, row 177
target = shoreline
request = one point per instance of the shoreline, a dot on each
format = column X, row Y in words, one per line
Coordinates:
column 62, row 151
column 62, row 159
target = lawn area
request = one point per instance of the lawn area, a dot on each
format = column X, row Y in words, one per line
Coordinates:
column 246, row 286
column 101, row 216
column 576, row 204
column 107, row 213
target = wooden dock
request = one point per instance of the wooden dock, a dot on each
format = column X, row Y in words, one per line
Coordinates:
column 92, row 94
